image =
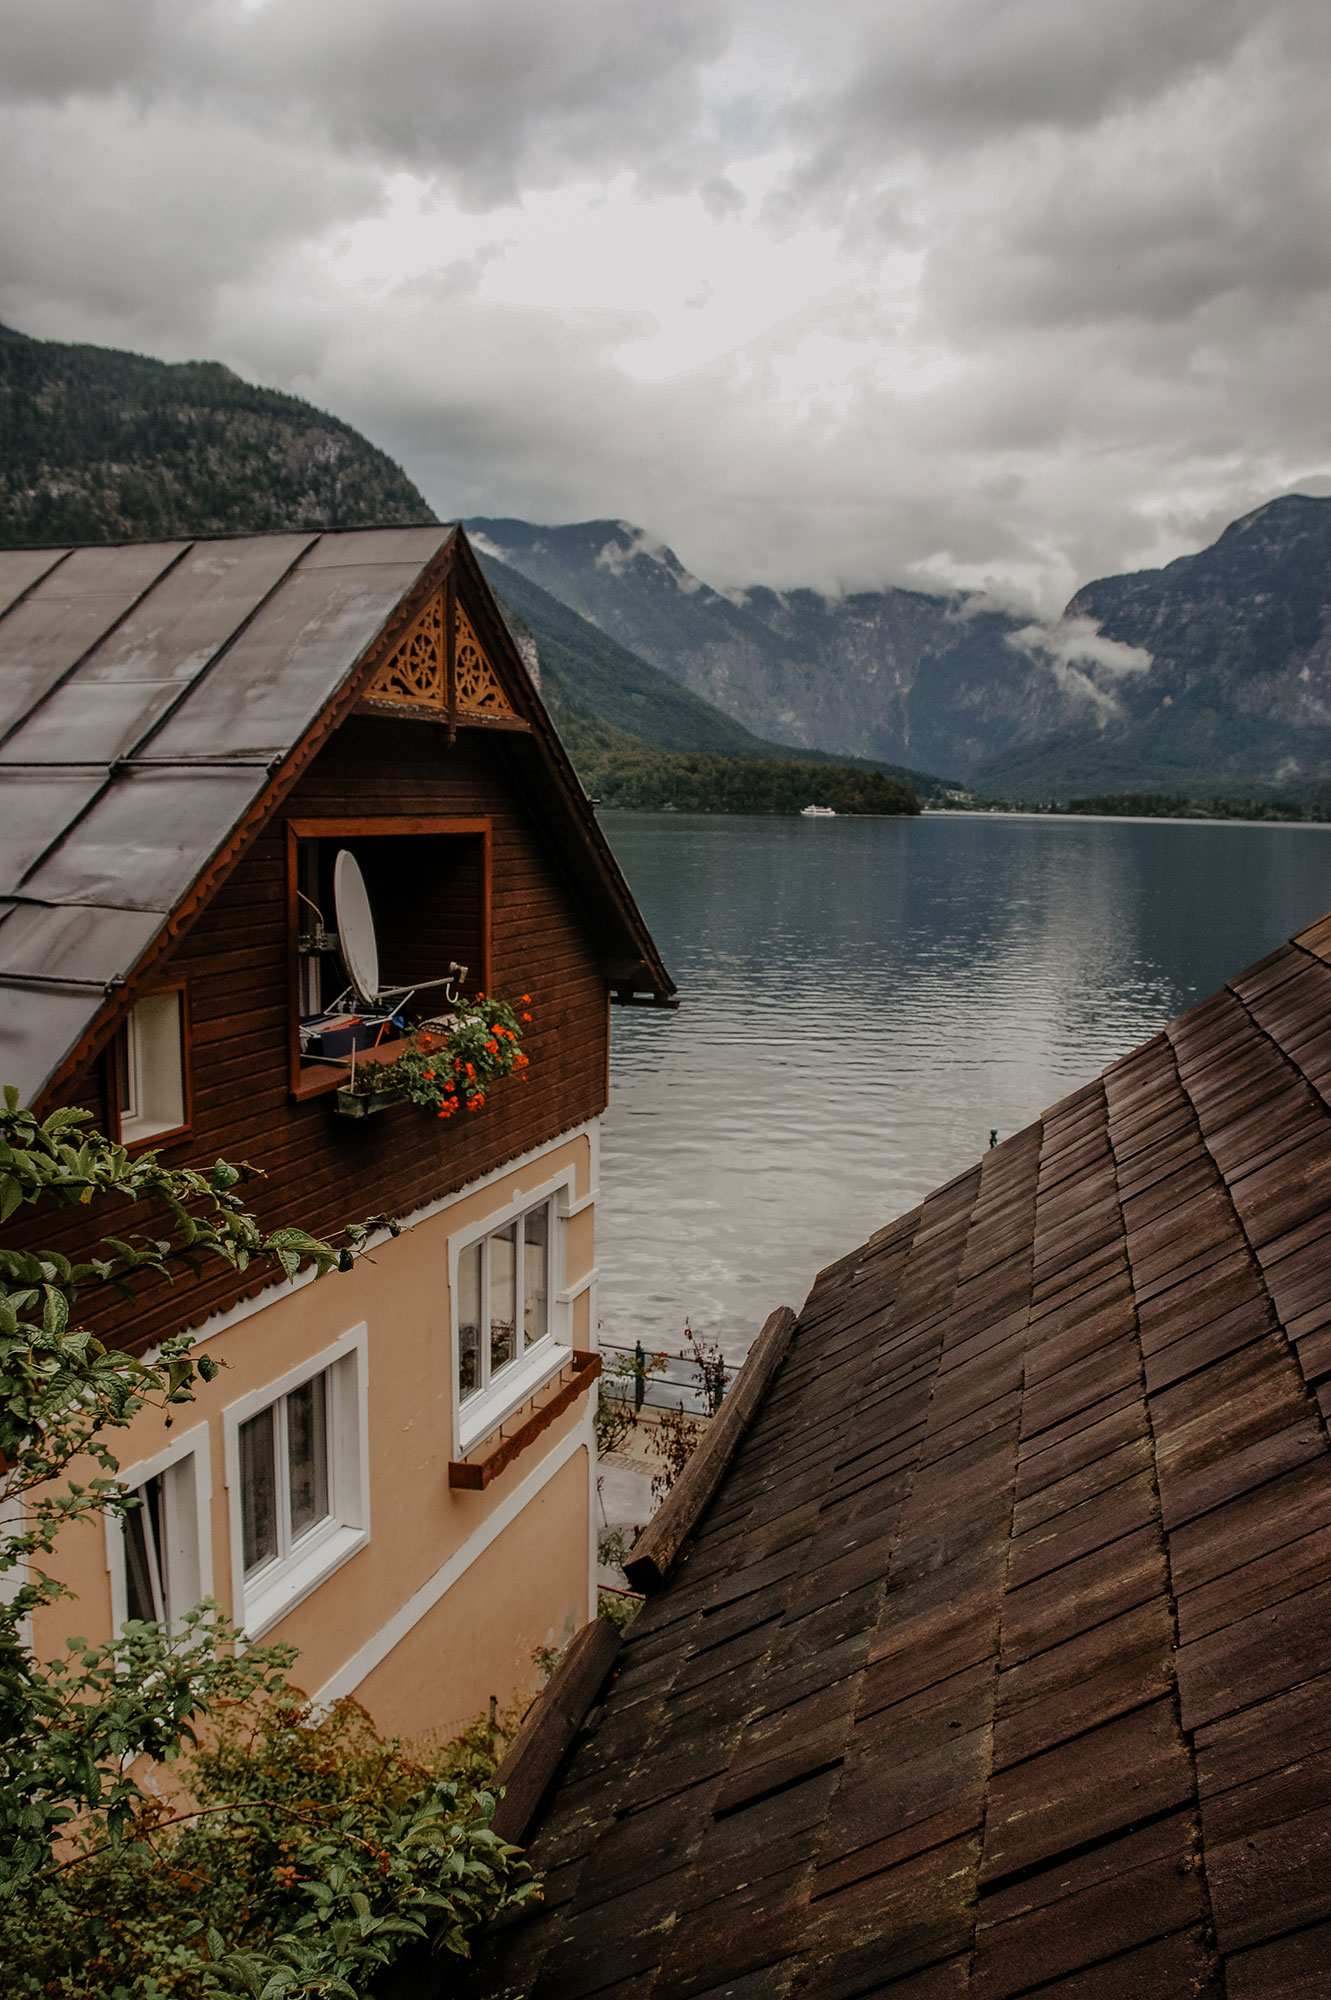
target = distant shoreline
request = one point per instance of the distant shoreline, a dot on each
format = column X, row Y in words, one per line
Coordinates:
column 1120, row 819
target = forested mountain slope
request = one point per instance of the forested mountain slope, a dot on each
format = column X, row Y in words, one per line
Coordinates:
column 99, row 446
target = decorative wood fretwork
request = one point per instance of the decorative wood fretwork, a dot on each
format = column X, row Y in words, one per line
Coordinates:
column 477, row 685
column 415, row 674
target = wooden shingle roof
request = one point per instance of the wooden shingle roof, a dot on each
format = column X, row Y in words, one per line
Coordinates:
column 1001, row 1662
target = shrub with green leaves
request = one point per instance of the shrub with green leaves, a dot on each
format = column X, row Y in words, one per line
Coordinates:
column 300, row 1852
column 308, row 1852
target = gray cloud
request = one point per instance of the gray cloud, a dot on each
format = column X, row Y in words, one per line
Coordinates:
column 1119, row 212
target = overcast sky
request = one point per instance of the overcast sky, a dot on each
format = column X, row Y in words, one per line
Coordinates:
column 1005, row 292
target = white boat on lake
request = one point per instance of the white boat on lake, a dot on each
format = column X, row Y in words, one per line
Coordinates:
column 817, row 812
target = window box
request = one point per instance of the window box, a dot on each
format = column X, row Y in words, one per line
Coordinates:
column 353, row 1103
column 475, row 1472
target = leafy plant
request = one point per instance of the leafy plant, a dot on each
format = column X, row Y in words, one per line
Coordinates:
column 673, row 1440
column 613, row 1549
column 621, row 1607
column 615, row 1420
column 309, row 1852
column 621, row 1387
column 96, row 1872
column 446, row 1073
column 712, row 1366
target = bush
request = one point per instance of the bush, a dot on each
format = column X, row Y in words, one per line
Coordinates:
column 298, row 1854
column 308, row 1852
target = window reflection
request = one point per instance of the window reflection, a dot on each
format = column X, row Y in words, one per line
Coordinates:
column 469, row 1320
column 503, row 1296
column 145, row 1555
column 258, row 1490
column 307, row 1454
column 535, row 1280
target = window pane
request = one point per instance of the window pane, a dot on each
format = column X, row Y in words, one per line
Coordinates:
column 258, row 1491
column 503, row 1294
column 535, row 1274
column 153, row 1076
column 145, row 1580
column 469, row 1321
column 307, row 1453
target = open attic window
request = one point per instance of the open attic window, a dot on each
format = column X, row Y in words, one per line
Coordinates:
column 423, row 891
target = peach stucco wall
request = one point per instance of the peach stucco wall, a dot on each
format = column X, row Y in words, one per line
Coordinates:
column 529, row 1591
column 421, row 1661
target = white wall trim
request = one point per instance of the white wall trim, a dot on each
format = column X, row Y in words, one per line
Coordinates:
column 590, row 1129
column 193, row 1442
column 259, row 1605
column 578, row 1287
column 376, row 1650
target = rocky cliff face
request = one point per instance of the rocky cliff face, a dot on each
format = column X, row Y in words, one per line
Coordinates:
column 1214, row 671
column 852, row 674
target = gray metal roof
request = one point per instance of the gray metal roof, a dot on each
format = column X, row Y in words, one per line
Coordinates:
column 146, row 693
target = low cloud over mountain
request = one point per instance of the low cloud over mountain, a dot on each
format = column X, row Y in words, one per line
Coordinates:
column 943, row 294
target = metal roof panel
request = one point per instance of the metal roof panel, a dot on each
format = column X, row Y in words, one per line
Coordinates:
column 42, row 1024
column 47, row 635
column 35, row 809
column 168, row 639
column 291, row 658
column 351, row 548
column 145, row 841
column 88, row 722
column 102, row 568
column 205, row 600
column 20, row 569
column 74, row 941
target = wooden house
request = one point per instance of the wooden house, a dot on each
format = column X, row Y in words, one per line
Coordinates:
column 999, row 1663
column 206, row 750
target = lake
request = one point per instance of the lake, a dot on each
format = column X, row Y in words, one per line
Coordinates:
column 864, row 1000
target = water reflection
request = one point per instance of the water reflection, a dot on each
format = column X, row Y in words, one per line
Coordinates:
column 865, row 999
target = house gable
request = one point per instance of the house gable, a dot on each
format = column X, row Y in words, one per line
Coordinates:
column 156, row 723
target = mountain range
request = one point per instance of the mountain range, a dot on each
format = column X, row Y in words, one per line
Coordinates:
column 100, row 445
column 1212, row 673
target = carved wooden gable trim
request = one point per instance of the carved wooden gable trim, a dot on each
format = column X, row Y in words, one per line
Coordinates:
column 416, row 674
column 476, row 682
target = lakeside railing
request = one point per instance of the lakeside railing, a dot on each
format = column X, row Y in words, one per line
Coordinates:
column 655, row 1379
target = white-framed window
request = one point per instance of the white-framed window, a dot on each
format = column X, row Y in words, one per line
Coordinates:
column 159, row 1554
column 298, row 1481
column 150, row 1067
column 509, row 1319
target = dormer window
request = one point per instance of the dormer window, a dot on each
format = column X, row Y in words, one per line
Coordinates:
column 150, row 1073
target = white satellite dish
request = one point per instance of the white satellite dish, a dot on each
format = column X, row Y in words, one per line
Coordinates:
column 355, row 927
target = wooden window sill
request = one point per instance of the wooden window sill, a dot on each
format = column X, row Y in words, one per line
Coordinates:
column 316, row 1079
column 497, row 1452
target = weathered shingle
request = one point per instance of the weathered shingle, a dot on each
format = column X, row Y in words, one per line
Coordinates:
column 1001, row 1663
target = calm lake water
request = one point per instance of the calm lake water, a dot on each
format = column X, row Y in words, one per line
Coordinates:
column 863, row 1000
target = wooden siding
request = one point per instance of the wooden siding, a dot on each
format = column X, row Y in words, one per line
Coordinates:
column 322, row 1170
